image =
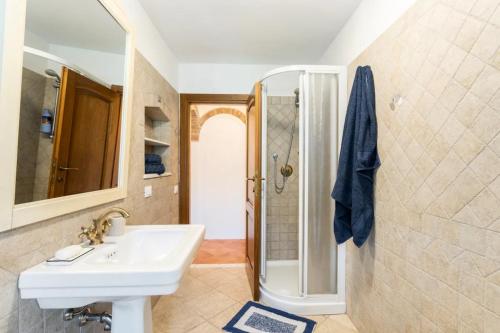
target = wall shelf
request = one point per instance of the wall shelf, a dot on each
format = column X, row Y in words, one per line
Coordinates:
column 156, row 113
column 154, row 175
column 157, row 131
column 156, row 143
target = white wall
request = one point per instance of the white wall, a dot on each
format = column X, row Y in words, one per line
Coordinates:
column 369, row 21
column 220, row 78
column 2, row 22
column 218, row 176
column 108, row 67
column 35, row 41
column 32, row 62
column 149, row 42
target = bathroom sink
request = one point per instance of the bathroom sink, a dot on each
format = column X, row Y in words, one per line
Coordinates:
column 125, row 270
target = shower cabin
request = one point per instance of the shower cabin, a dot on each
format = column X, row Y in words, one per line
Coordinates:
column 294, row 126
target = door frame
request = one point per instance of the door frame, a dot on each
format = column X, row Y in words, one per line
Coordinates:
column 185, row 142
column 254, row 208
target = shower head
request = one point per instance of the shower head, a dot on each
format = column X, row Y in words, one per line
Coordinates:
column 53, row 73
column 297, row 100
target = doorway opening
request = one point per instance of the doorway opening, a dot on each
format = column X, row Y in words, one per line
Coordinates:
column 212, row 186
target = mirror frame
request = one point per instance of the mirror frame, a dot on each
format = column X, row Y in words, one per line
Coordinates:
column 11, row 63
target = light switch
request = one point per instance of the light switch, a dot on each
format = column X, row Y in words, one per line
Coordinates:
column 176, row 189
column 148, row 191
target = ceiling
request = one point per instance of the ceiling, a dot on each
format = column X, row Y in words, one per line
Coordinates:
column 244, row 31
column 75, row 23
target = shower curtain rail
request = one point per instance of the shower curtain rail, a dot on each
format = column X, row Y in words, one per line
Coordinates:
column 320, row 69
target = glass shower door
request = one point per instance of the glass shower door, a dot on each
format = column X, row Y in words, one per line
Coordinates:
column 280, row 146
column 302, row 266
column 320, row 169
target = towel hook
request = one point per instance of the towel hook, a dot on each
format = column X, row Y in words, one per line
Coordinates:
column 397, row 100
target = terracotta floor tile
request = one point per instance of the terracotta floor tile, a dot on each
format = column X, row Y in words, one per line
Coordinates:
column 223, row 251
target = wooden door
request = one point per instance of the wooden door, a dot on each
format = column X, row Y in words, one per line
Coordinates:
column 86, row 140
column 254, row 188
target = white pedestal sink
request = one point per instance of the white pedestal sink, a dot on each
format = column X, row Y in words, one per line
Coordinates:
column 126, row 271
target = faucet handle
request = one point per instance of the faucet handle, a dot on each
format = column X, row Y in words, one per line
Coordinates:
column 84, row 234
column 88, row 233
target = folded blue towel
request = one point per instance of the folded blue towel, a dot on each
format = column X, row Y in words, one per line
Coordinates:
column 154, row 168
column 152, row 159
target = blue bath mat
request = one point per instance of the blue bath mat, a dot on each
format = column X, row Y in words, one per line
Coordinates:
column 257, row 318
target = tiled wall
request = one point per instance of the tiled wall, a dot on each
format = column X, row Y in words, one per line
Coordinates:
column 282, row 209
column 432, row 263
column 45, row 144
column 32, row 95
column 24, row 247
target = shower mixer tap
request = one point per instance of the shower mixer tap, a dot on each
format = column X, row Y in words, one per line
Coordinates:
column 286, row 170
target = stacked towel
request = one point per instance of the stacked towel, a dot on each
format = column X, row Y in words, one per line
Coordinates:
column 153, row 164
column 155, row 168
column 152, row 159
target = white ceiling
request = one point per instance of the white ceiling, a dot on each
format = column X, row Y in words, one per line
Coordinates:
column 249, row 31
column 75, row 23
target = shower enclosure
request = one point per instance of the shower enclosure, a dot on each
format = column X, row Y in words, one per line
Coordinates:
column 302, row 269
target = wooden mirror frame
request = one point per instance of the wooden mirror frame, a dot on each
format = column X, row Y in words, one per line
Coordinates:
column 12, row 29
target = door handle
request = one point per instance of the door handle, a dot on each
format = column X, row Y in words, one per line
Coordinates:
column 253, row 179
column 68, row 169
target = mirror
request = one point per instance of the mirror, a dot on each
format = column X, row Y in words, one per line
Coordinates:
column 71, row 100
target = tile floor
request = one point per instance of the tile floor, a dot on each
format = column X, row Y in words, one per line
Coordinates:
column 209, row 297
column 223, row 251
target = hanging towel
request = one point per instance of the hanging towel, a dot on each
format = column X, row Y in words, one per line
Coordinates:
column 359, row 160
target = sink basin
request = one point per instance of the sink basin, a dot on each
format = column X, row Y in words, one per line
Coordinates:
column 125, row 270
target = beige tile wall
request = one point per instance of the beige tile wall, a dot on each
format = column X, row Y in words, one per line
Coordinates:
column 45, row 145
column 432, row 263
column 24, row 247
column 282, row 209
column 32, row 95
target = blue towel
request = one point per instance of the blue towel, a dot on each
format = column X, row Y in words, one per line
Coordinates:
column 154, row 168
column 152, row 159
column 359, row 160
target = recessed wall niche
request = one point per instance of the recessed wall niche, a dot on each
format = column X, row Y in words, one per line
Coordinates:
column 156, row 131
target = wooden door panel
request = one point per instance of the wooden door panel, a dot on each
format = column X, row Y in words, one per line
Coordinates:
column 253, row 193
column 86, row 138
column 250, row 239
column 86, row 147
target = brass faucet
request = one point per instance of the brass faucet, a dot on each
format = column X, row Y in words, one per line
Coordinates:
column 96, row 231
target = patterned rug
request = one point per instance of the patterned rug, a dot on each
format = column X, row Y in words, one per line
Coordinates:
column 257, row 318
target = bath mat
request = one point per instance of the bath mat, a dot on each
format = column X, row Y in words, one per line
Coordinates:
column 257, row 318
